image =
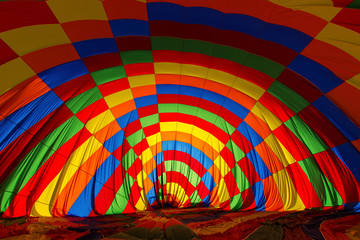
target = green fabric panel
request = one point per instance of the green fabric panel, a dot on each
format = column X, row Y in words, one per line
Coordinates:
column 167, row 43
column 230, row 53
column 324, row 189
column 197, row 46
column 355, row 4
column 108, row 74
column 257, row 62
column 183, row 168
column 149, row 120
column 236, row 201
column 306, row 135
column 267, row 66
column 201, row 113
column 26, row 169
column 136, row 56
column 195, row 198
column 289, row 97
column 240, row 177
column 121, row 197
column 83, row 100
column 128, row 159
column 238, row 153
column 136, row 137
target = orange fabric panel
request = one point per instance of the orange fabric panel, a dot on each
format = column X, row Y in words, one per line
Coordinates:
column 259, row 126
column 134, row 9
column 21, row 95
column 272, row 196
column 107, row 132
column 44, row 59
column 123, row 108
column 339, row 62
column 81, row 178
column 87, row 29
column 346, row 97
column 143, row 91
column 269, row 157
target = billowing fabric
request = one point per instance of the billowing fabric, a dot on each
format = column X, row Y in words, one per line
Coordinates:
column 112, row 107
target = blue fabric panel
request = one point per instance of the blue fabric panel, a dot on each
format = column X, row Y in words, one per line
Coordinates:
column 236, row 108
column 258, row 190
column 9, row 132
column 350, row 157
column 289, row 37
column 127, row 118
column 63, row 73
column 95, row 46
column 151, row 196
column 189, row 149
column 204, row 16
column 216, row 98
column 115, row 141
column 166, row 11
column 316, row 73
column 250, row 134
column 167, row 89
column 261, row 168
column 208, row 181
column 159, row 158
column 347, row 127
column 243, row 23
column 85, row 202
column 26, row 117
column 129, row 27
column 146, row 101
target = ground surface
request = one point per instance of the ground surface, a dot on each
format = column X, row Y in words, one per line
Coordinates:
column 203, row 223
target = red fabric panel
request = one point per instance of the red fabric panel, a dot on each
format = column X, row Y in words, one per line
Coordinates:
column 74, row 87
column 128, row 43
column 7, row 53
column 303, row 186
column 102, row 61
column 322, row 126
column 27, row 13
column 292, row 143
column 300, row 85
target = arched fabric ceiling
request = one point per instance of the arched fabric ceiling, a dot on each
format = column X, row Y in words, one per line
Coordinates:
column 112, row 106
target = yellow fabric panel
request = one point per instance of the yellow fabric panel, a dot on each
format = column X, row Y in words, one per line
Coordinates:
column 167, row 68
column 178, row 191
column 355, row 81
column 42, row 206
column 248, row 88
column 73, row 10
column 118, row 98
column 195, row 71
column 266, row 115
column 221, row 77
column 142, row 80
column 287, row 190
column 222, row 166
column 29, row 39
column 322, row 8
column 14, row 72
column 341, row 37
column 280, row 151
column 223, row 191
column 100, row 121
column 146, row 155
column 197, row 132
column 142, row 203
column 154, row 139
column 77, row 158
